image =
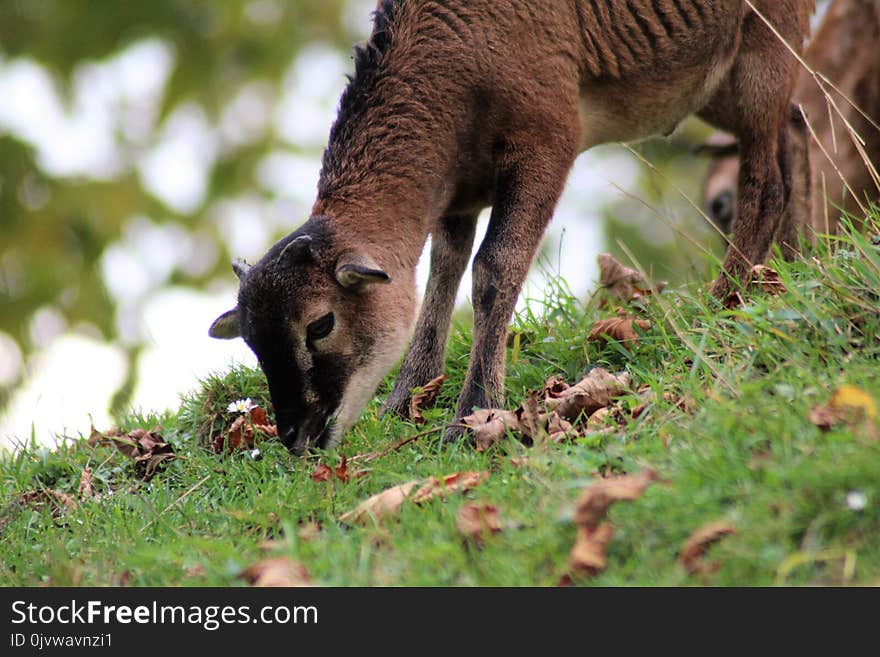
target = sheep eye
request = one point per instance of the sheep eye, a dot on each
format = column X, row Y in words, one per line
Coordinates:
column 320, row 328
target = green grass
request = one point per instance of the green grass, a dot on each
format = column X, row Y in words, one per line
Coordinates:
column 747, row 455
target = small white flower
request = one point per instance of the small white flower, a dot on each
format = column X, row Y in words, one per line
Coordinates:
column 256, row 454
column 856, row 500
column 240, row 406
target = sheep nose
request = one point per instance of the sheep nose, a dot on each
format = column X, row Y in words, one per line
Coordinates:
column 294, row 439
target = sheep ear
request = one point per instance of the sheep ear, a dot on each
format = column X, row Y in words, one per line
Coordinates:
column 356, row 272
column 298, row 250
column 225, row 327
column 241, row 268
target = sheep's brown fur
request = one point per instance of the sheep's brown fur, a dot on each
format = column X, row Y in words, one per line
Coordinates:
column 457, row 105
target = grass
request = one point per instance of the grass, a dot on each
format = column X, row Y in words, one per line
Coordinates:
column 747, row 454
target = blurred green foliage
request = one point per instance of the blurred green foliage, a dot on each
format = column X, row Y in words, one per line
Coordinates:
column 55, row 229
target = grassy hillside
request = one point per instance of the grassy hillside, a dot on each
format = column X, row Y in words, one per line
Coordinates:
column 730, row 430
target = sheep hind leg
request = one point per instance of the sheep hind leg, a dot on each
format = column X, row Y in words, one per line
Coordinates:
column 753, row 104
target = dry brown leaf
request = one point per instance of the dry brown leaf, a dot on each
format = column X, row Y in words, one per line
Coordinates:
column 146, row 440
column 548, row 414
column 258, row 416
column 588, row 554
column 114, row 438
column 459, row 481
column 325, row 473
column 322, row 473
column 767, row 279
column 850, row 405
column 657, row 288
column 587, row 557
column 594, row 502
column 823, row 417
column 148, row 449
column 554, row 387
column 277, row 571
column 852, row 399
column 85, row 484
column 386, row 503
column 341, row 471
column 57, row 501
column 424, row 398
column 591, row 393
column 242, row 432
column 532, row 418
column 618, row 328
column 599, row 420
column 476, row 521
column 240, row 435
column 558, row 429
column 695, row 546
column 617, row 279
column 489, row 425
column 154, row 454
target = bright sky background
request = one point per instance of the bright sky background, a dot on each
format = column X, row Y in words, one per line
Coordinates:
column 70, row 380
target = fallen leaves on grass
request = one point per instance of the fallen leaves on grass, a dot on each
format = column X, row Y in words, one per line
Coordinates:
column 56, row 501
column 551, row 413
column 388, row 502
column 683, row 403
column 489, row 425
column 477, row 520
column 154, row 455
column 452, row 483
column 694, row 549
column 591, row 393
column 424, row 398
column 621, row 329
column 322, row 473
column 596, row 499
column 276, row 571
column 618, row 280
column 587, row 557
column 622, row 282
column 849, row 405
column 148, row 449
column 325, row 473
column 243, row 431
column 381, row 505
